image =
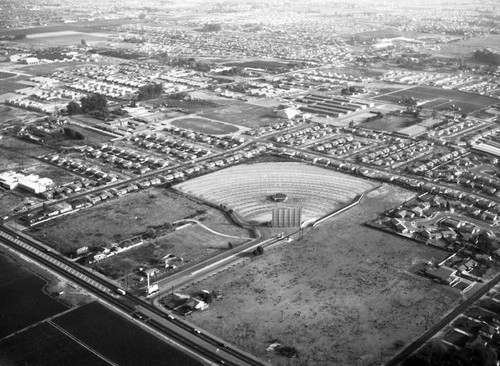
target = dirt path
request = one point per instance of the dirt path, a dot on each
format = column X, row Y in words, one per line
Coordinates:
column 212, row 231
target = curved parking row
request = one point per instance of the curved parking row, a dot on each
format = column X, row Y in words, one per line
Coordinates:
column 246, row 189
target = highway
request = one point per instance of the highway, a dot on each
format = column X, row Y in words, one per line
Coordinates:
column 442, row 323
column 204, row 345
column 224, row 259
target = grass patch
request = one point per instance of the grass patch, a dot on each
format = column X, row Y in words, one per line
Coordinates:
column 5, row 75
column 124, row 217
column 242, row 114
column 205, row 126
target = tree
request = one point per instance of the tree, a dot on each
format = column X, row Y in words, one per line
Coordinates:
column 94, row 103
column 72, row 134
column 150, row 91
column 150, row 233
column 287, row 351
column 73, row 108
column 484, row 243
column 142, row 16
column 83, row 42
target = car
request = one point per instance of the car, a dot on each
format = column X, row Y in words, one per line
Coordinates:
column 139, row 316
column 170, row 317
column 196, row 330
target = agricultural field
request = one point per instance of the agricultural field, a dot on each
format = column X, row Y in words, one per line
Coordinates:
column 204, row 125
column 120, row 340
column 87, row 26
column 6, row 75
column 126, row 217
column 467, row 101
column 12, row 84
column 22, row 298
column 62, row 38
column 242, row 114
column 47, row 346
column 341, row 296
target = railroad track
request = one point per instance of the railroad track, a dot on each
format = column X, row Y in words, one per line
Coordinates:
column 174, row 328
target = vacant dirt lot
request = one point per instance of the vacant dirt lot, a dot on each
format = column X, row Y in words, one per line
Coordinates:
column 341, row 295
column 193, row 243
column 129, row 216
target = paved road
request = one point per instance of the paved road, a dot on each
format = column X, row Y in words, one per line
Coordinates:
column 217, row 262
column 442, row 323
column 180, row 332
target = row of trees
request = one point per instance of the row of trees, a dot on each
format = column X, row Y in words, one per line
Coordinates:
column 487, row 56
column 95, row 104
column 72, row 134
column 352, row 90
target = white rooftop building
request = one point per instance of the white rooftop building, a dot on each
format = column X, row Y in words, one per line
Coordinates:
column 34, row 184
column 10, row 179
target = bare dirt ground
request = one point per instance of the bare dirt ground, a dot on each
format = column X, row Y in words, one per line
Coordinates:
column 192, row 243
column 128, row 216
column 340, row 296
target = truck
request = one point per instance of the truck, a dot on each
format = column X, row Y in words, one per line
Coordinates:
column 121, row 291
column 152, row 290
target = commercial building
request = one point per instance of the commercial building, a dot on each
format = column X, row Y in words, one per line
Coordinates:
column 34, row 184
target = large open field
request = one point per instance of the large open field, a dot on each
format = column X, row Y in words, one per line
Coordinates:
column 44, row 69
column 341, row 296
column 242, row 114
column 466, row 47
column 467, row 101
column 128, row 216
column 6, row 75
column 204, row 125
column 12, row 84
column 22, row 300
column 120, row 340
column 62, row 38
